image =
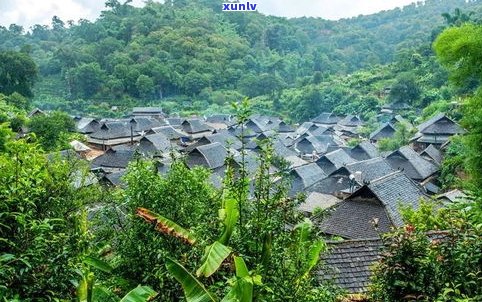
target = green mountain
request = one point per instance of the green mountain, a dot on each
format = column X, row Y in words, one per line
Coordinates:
column 189, row 55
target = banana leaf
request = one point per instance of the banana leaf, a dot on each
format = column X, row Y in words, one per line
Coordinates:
column 166, row 226
column 214, row 256
column 231, row 215
column 98, row 264
column 193, row 289
column 139, row 294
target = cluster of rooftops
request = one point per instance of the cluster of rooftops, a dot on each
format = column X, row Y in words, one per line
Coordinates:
column 360, row 188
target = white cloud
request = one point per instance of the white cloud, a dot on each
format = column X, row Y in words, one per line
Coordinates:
column 30, row 12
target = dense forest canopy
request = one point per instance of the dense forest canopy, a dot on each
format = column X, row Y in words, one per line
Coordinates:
column 189, row 55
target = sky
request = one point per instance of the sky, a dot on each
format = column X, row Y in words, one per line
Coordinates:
column 30, row 12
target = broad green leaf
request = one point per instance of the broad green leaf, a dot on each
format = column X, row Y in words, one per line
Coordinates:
column 214, row 256
column 84, row 290
column 241, row 291
column 6, row 257
column 166, row 226
column 98, row 264
column 313, row 255
column 241, row 268
column 139, row 294
column 231, row 215
column 193, row 289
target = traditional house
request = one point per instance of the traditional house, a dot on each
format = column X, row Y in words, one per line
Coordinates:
column 386, row 130
column 334, row 160
column 154, row 144
column 35, row 112
column 317, row 201
column 114, row 160
column 364, row 150
column 374, row 208
column 175, row 122
column 283, row 127
column 150, row 112
column 348, row 263
column 433, row 154
column 309, row 145
column 210, row 156
column 305, row 176
column 436, row 131
column 411, row 163
column 350, row 177
column 86, row 125
column 169, row 132
column 112, row 134
column 327, row 119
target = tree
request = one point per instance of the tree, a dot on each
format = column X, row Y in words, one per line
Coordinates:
column 405, row 89
column 87, row 79
column 145, row 86
column 458, row 49
column 51, row 129
column 18, row 73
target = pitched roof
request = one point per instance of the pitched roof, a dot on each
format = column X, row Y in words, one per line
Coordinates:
column 327, row 118
column 354, row 219
column 218, row 118
column 332, row 161
column 211, row 156
column 114, row 159
column 364, row 150
column 194, row 126
column 384, row 131
column 310, row 143
column 87, row 125
column 349, row 262
column 414, row 165
column 175, row 121
column 112, row 130
column 143, row 123
column 433, row 154
column 284, row 128
column 307, row 126
column 440, row 124
column 370, row 169
column 309, row 174
column 351, row 121
column 169, row 132
column 147, row 110
column 154, row 142
column 115, row 178
column 225, row 139
column 316, row 200
column 394, row 189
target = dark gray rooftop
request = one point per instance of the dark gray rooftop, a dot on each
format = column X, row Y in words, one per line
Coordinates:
column 211, row 156
column 412, row 163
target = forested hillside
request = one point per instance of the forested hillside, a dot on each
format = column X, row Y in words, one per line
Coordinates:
column 188, row 56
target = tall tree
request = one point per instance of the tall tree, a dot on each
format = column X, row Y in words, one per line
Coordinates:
column 18, row 73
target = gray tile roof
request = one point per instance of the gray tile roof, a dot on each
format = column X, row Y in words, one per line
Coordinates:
column 316, row 200
column 364, row 150
column 440, row 124
column 327, row 118
column 351, row 121
column 395, row 189
column 211, row 156
column 225, row 139
column 114, row 159
column 169, row 132
column 305, row 176
column 370, row 169
column 154, row 143
column 433, row 154
column 355, row 219
column 309, row 144
column 386, row 130
column 412, row 163
column 112, row 130
column 219, row 118
column 87, row 125
column 191, row 126
column 334, row 160
column 147, row 110
column 348, row 263
column 284, row 128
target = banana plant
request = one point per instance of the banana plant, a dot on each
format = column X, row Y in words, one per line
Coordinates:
column 87, row 290
column 241, row 286
column 166, row 226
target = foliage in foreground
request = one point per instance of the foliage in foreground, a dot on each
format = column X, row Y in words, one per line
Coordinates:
column 433, row 266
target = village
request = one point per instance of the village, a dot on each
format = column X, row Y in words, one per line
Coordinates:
column 359, row 189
